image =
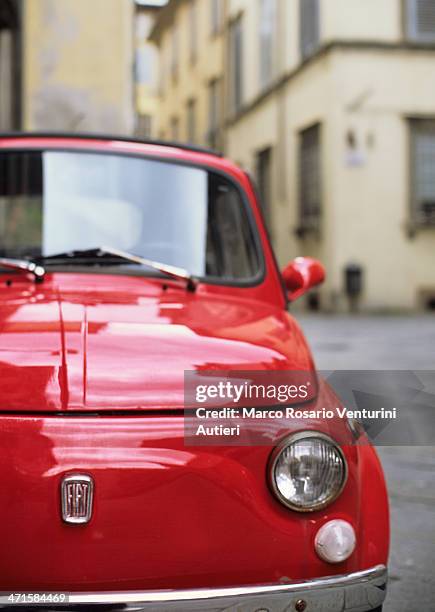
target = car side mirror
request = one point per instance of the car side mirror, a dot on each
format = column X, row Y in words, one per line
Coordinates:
column 301, row 275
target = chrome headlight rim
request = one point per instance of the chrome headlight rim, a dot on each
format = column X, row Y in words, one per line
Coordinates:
column 276, row 453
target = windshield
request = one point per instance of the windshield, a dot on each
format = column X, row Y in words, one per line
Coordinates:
column 183, row 216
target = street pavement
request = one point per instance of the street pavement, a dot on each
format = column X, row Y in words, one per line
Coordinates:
column 392, row 343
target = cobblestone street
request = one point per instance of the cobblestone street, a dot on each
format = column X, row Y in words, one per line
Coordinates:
column 388, row 343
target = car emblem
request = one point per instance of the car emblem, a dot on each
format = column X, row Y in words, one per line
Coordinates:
column 77, row 492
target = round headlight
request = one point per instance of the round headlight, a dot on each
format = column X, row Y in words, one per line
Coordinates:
column 308, row 471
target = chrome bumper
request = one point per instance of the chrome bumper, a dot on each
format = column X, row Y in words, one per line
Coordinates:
column 355, row 592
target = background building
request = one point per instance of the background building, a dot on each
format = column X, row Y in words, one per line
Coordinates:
column 78, row 65
column 330, row 104
column 190, row 37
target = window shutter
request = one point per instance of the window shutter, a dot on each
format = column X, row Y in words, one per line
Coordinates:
column 268, row 23
column 236, row 64
column 193, row 30
column 191, row 121
column 174, row 50
column 264, row 182
column 423, row 172
column 421, row 20
column 6, row 63
column 310, row 188
column 309, row 26
column 216, row 16
column 213, row 109
column 144, row 126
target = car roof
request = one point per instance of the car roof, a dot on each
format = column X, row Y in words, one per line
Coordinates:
column 119, row 144
column 108, row 138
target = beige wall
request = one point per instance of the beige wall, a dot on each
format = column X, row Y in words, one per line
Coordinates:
column 372, row 201
column 361, row 20
column 78, row 65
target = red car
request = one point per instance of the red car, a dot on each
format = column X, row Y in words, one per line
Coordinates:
column 123, row 266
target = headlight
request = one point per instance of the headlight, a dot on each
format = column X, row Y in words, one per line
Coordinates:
column 308, row 471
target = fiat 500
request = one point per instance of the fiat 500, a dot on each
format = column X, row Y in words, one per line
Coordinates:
column 126, row 267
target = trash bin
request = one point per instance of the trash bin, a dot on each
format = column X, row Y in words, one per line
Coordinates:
column 353, row 280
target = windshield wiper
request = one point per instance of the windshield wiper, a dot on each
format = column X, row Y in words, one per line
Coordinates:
column 101, row 252
column 25, row 266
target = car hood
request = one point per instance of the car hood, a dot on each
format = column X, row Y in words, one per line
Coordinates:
column 70, row 346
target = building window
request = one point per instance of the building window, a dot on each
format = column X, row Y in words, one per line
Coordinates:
column 175, row 49
column 216, row 16
column 310, row 184
column 6, row 79
column 268, row 23
column 309, row 27
column 193, row 25
column 236, row 65
column 146, row 53
column 423, row 172
column 175, row 129
column 191, row 121
column 264, row 182
column 162, row 69
column 145, row 62
column 420, row 20
column 214, row 112
column 144, row 126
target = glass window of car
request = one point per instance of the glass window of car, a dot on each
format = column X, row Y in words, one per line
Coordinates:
column 176, row 214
